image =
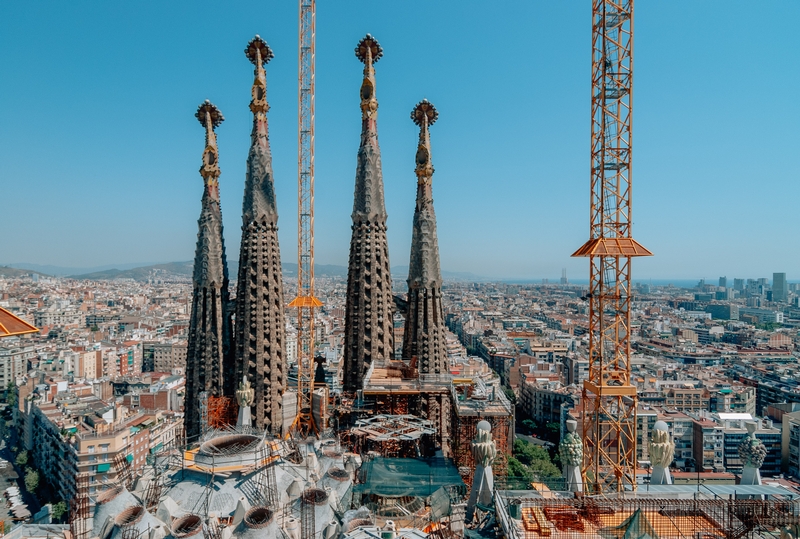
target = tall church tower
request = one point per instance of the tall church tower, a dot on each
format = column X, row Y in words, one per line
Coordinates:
column 208, row 353
column 424, row 335
column 260, row 318
column 368, row 314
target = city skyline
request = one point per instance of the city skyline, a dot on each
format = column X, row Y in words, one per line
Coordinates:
column 113, row 186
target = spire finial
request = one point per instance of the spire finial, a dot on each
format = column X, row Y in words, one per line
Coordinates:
column 424, row 115
column 369, row 51
column 259, row 53
column 210, row 117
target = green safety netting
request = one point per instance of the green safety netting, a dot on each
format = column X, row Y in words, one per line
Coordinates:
column 635, row 526
column 393, row 477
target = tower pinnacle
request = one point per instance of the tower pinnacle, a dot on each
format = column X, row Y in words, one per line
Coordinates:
column 368, row 316
column 210, row 117
column 424, row 335
column 260, row 317
column 369, row 52
column 259, row 53
column 208, row 351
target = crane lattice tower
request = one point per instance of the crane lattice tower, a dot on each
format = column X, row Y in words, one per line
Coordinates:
column 305, row 302
column 609, row 398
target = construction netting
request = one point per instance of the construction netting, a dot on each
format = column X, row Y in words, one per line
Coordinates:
column 644, row 518
column 395, row 477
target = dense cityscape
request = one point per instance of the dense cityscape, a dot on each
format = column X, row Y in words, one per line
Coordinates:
column 103, row 382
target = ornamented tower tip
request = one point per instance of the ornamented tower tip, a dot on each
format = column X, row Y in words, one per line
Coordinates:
column 424, row 115
column 210, row 117
column 369, row 51
column 259, row 54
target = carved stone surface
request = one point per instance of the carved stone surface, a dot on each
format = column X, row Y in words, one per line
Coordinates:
column 484, row 451
column 368, row 311
column 208, row 356
column 752, row 451
column 424, row 335
column 661, row 447
column 570, row 448
column 260, row 317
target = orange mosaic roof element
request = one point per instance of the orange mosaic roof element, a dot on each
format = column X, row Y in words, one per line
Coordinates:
column 12, row 325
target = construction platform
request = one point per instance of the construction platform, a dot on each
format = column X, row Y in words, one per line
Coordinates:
column 719, row 511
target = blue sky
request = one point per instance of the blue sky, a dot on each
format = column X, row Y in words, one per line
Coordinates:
column 100, row 147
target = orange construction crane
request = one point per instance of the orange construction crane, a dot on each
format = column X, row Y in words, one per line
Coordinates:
column 609, row 398
column 305, row 302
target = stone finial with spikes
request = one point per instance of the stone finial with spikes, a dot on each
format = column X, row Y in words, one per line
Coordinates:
column 259, row 53
column 210, row 117
column 369, row 51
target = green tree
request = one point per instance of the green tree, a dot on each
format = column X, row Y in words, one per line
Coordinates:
column 510, row 394
column 58, row 511
column 535, row 458
column 31, row 480
column 3, row 428
column 529, row 424
column 22, row 458
column 11, row 392
column 518, row 471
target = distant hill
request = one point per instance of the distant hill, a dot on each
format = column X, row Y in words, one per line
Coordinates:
column 173, row 270
column 63, row 271
column 184, row 270
column 6, row 271
column 143, row 273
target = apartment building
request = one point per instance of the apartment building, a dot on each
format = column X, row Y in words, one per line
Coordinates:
column 790, row 444
column 15, row 356
column 708, row 446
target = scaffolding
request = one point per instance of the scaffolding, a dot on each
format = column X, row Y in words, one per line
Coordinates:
column 222, row 412
column 152, row 495
column 79, row 509
column 266, row 484
column 308, row 502
column 393, row 436
column 123, row 468
column 472, row 407
column 614, row 518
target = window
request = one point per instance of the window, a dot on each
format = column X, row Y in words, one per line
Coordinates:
column 90, row 449
column 104, row 448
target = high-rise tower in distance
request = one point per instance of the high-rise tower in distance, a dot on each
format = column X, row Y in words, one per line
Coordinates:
column 368, row 312
column 208, row 352
column 424, row 336
column 780, row 290
column 260, row 318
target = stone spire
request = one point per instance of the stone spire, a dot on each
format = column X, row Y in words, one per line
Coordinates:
column 424, row 336
column 260, row 318
column 208, row 353
column 368, row 315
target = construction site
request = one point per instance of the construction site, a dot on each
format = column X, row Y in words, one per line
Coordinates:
column 407, row 450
